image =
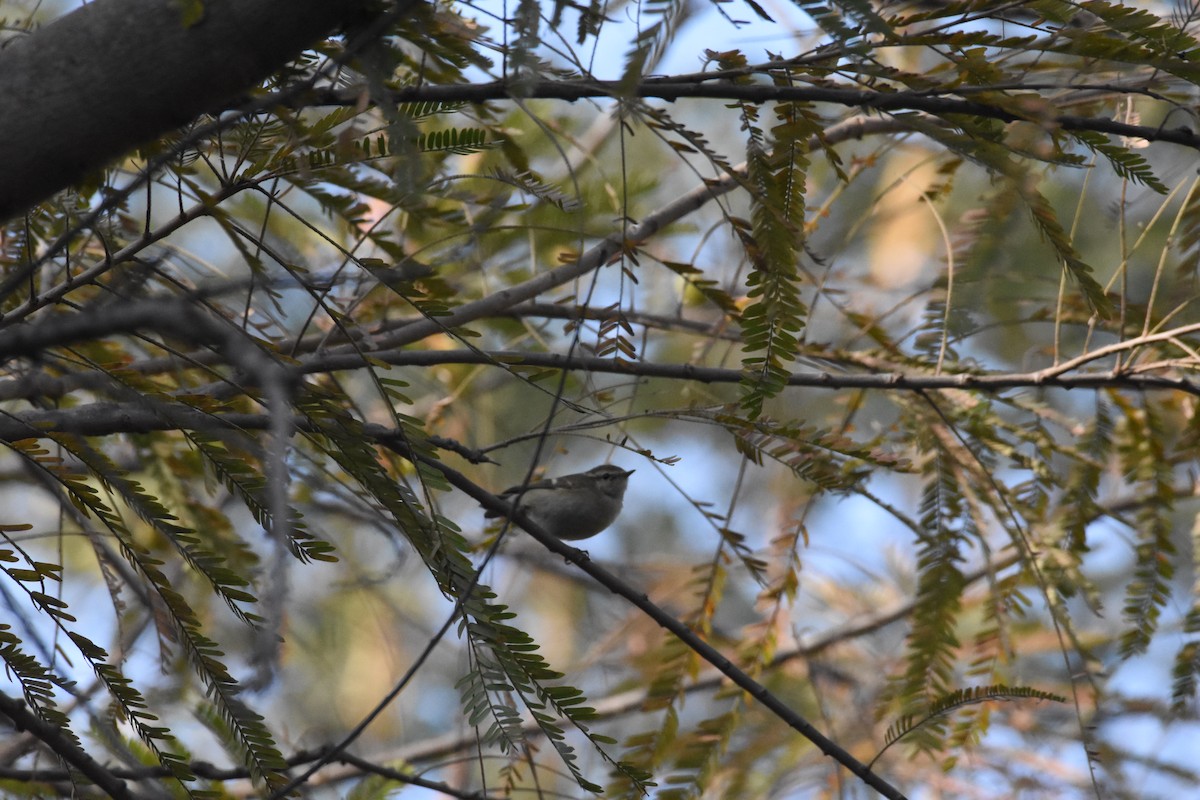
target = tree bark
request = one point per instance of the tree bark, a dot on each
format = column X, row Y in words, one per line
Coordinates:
column 113, row 74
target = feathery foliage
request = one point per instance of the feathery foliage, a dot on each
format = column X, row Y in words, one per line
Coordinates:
column 893, row 308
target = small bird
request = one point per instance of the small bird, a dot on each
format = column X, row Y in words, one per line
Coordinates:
column 574, row 506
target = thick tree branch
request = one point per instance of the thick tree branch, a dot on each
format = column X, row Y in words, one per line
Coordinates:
column 115, row 73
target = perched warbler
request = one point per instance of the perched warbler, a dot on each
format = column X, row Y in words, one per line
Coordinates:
column 574, row 506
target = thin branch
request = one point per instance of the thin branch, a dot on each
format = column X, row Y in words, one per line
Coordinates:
column 147, row 415
column 1120, row 347
column 671, row 90
column 1048, row 378
column 210, row 772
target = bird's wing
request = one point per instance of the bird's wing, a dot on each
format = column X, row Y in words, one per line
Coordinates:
column 512, row 491
column 546, row 483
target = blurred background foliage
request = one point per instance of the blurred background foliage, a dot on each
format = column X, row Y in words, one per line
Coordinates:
column 940, row 500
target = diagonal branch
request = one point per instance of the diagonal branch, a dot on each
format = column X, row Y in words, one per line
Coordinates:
column 603, row 252
column 664, row 620
column 64, row 748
